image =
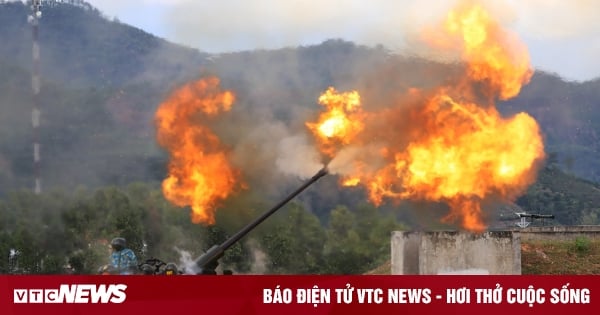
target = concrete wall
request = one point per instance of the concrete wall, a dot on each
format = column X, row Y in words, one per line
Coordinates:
column 453, row 252
column 560, row 233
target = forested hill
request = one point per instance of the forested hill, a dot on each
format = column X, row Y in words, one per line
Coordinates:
column 101, row 167
column 569, row 113
column 102, row 81
column 80, row 47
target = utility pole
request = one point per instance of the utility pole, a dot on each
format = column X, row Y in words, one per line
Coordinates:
column 34, row 20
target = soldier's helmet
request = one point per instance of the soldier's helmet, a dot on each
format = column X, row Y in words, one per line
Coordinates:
column 118, row 243
column 148, row 269
column 170, row 269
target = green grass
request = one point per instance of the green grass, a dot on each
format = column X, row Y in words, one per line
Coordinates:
column 580, row 256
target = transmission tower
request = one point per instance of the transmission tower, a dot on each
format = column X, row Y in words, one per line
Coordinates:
column 34, row 20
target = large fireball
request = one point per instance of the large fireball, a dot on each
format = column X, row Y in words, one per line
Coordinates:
column 200, row 174
column 340, row 123
column 456, row 150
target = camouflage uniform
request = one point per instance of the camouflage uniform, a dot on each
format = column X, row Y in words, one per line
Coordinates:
column 124, row 262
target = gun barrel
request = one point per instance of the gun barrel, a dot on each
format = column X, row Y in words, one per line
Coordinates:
column 536, row 216
column 217, row 251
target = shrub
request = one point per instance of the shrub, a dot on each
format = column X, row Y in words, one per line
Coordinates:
column 582, row 244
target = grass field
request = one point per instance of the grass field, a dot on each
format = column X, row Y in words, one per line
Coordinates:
column 580, row 256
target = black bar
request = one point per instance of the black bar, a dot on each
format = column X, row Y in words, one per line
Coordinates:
column 536, row 216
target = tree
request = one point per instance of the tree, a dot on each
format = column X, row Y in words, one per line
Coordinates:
column 342, row 248
column 293, row 242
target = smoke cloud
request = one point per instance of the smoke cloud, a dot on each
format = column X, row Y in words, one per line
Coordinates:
column 554, row 28
column 233, row 24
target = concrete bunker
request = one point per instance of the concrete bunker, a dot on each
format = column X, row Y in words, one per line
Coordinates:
column 456, row 252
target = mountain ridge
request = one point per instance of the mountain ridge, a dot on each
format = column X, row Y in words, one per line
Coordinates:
column 103, row 80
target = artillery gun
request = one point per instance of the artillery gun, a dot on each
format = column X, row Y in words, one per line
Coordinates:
column 207, row 263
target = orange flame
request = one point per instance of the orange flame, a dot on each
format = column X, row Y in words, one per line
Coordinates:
column 492, row 53
column 200, row 174
column 455, row 151
column 468, row 154
column 351, row 181
column 342, row 121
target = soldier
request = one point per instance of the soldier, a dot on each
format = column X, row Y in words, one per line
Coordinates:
column 148, row 269
column 170, row 269
column 122, row 260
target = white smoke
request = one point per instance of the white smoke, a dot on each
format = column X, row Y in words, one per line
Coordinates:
column 186, row 262
column 342, row 164
column 297, row 156
column 258, row 265
column 259, row 258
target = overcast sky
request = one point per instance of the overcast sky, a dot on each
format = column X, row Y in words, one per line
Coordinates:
column 563, row 36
